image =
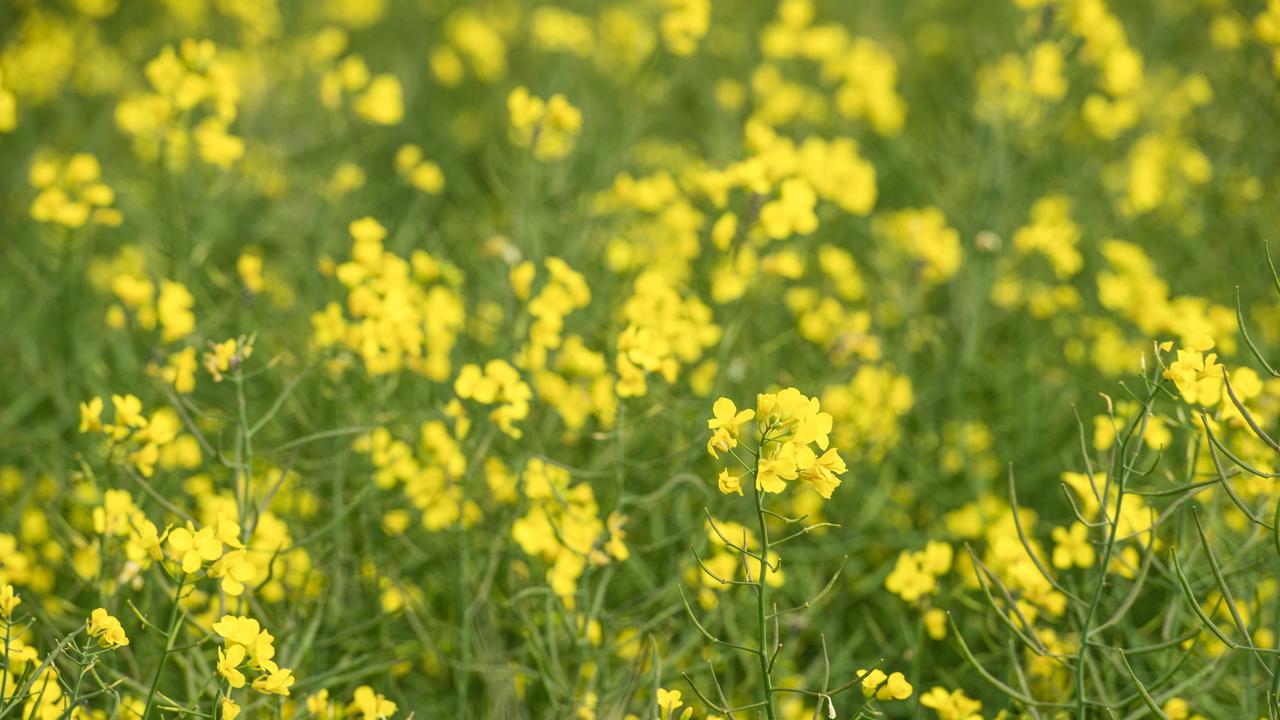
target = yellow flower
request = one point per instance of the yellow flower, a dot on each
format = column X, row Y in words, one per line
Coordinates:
column 275, row 682
column 773, row 472
column 107, row 629
column 721, row 441
column 238, row 629
column 230, row 710
column 668, row 702
column 895, row 688
column 871, row 681
column 91, row 415
column 226, row 356
column 792, row 213
column 729, row 484
column 822, row 473
column 128, row 411
column 885, row 687
column 935, row 623
column 1197, row 376
column 229, row 664
column 318, row 703
column 371, row 705
column 235, row 570
column 909, row 579
column 193, row 548
column 548, row 126
column 953, row 705
column 728, row 417
column 382, row 102
column 9, row 600
column 1072, row 548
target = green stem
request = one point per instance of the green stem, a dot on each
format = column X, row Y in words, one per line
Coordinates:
column 174, row 617
column 85, row 664
column 762, row 622
column 4, row 676
column 244, row 456
column 1086, row 626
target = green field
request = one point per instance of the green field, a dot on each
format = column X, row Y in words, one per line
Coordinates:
column 652, row 359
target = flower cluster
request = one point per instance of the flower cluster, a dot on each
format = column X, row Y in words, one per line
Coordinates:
column 376, row 99
column 72, row 192
column 188, row 83
column 916, row 574
column 143, row 441
column 402, row 313
column 787, row 423
column 548, row 127
column 562, row 527
column 107, row 629
column 248, row 645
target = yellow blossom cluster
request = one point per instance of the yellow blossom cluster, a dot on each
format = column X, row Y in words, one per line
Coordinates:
column 916, row 574
column 423, row 174
column 396, row 325
column 107, row 629
column 143, row 441
column 562, row 527
column 402, row 313
column 868, row 409
column 189, row 83
column 248, row 644
column 498, row 384
column 376, row 99
column 787, row 423
column 72, row 192
column 664, row 331
column 430, row 473
column 925, row 240
column 1050, row 238
column 548, row 127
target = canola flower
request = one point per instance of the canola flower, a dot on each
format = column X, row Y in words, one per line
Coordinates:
column 107, row 629
column 392, row 327
column 548, row 127
column 787, row 423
